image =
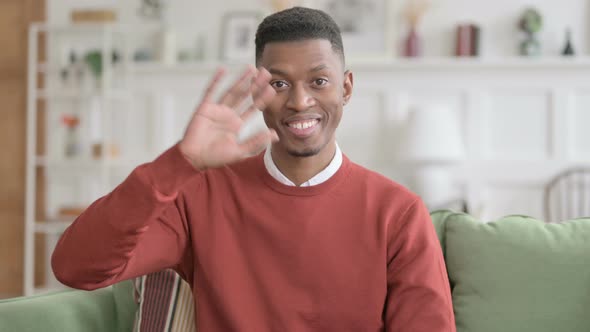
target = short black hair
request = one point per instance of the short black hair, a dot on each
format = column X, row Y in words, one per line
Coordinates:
column 298, row 23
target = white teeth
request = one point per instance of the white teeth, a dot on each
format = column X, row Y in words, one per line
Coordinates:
column 303, row 125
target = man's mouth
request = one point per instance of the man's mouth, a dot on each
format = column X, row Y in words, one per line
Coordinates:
column 303, row 128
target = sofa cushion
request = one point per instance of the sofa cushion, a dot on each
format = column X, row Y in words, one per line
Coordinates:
column 518, row 274
column 70, row 310
column 439, row 219
column 165, row 303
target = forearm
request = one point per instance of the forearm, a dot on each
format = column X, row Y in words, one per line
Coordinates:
column 112, row 240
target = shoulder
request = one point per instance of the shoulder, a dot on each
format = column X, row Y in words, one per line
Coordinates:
column 380, row 185
column 242, row 176
column 245, row 169
column 386, row 200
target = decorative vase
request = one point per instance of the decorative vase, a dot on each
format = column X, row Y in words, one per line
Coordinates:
column 412, row 47
column 530, row 46
column 530, row 23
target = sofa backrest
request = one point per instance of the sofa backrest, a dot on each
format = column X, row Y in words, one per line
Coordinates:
column 517, row 273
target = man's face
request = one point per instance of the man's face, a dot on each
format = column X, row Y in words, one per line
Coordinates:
column 312, row 88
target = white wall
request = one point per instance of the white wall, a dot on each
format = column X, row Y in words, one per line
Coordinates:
column 522, row 123
column 189, row 18
column 492, row 112
column 497, row 18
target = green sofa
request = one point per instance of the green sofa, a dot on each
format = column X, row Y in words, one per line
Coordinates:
column 109, row 309
column 516, row 274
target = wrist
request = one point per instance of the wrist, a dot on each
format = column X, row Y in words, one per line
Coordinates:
column 194, row 161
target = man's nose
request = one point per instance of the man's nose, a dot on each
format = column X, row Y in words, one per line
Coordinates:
column 300, row 99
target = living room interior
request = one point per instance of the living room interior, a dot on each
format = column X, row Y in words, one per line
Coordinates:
column 479, row 107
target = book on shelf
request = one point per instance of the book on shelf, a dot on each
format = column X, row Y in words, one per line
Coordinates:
column 93, row 16
column 467, row 40
column 70, row 212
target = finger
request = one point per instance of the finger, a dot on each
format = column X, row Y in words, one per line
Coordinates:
column 208, row 97
column 223, row 117
column 263, row 76
column 258, row 142
column 249, row 112
column 263, row 97
column 261, row 80
column 262, row 92
column 239, row 90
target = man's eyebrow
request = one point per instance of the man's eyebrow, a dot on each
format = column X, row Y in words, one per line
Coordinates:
column 277, row 72
column 318, row 68
column 282, row 73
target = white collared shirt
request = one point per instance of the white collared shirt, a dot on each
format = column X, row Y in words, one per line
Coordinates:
column 322, row 176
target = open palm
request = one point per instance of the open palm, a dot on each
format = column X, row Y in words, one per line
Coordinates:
column 211, row 137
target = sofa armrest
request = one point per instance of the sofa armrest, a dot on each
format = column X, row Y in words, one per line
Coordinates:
column 70, row 310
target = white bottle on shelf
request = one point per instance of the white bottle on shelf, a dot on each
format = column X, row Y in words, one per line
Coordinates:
column 167, row 46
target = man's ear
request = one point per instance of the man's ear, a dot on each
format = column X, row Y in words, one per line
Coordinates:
column 347, row 86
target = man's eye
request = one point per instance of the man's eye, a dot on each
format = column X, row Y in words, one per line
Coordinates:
column 320, row 81
column 278, row 84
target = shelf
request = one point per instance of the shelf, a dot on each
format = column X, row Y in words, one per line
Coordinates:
column 42, row 67
column 51, row 227
column 76, row 93
column 150, row 67
column 383, row 63
column 509, row 62
column 54, row 69
column 69, row 163
column 96, row 27
column 73, row 94
column 43, row 161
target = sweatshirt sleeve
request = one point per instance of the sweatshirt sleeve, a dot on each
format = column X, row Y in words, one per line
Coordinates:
column 418, row 290
column 138, row 228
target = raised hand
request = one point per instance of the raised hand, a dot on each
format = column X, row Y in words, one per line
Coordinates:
column 211, row 138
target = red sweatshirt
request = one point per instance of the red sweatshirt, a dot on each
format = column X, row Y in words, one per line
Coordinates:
column 355, row 253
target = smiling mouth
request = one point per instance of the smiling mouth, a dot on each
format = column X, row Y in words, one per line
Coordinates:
column 303, row 128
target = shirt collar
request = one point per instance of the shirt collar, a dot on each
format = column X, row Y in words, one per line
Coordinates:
column 321, row 177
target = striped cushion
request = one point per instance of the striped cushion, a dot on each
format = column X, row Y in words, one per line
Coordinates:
column 165, row 303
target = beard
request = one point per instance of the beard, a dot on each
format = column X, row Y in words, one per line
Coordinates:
column 304, row 153
column 307, row 151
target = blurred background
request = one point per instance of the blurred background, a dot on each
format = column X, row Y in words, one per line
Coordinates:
column 477, row 106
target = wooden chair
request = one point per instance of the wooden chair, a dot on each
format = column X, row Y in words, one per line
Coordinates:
column 567, row 195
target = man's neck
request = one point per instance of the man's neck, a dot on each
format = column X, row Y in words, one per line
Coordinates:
column 301, row 169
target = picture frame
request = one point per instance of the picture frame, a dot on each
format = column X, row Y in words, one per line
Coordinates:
column 365, row 26
column 238, row 30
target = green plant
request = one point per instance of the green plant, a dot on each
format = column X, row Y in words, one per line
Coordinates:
column 93, row 60
column 531, row 21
